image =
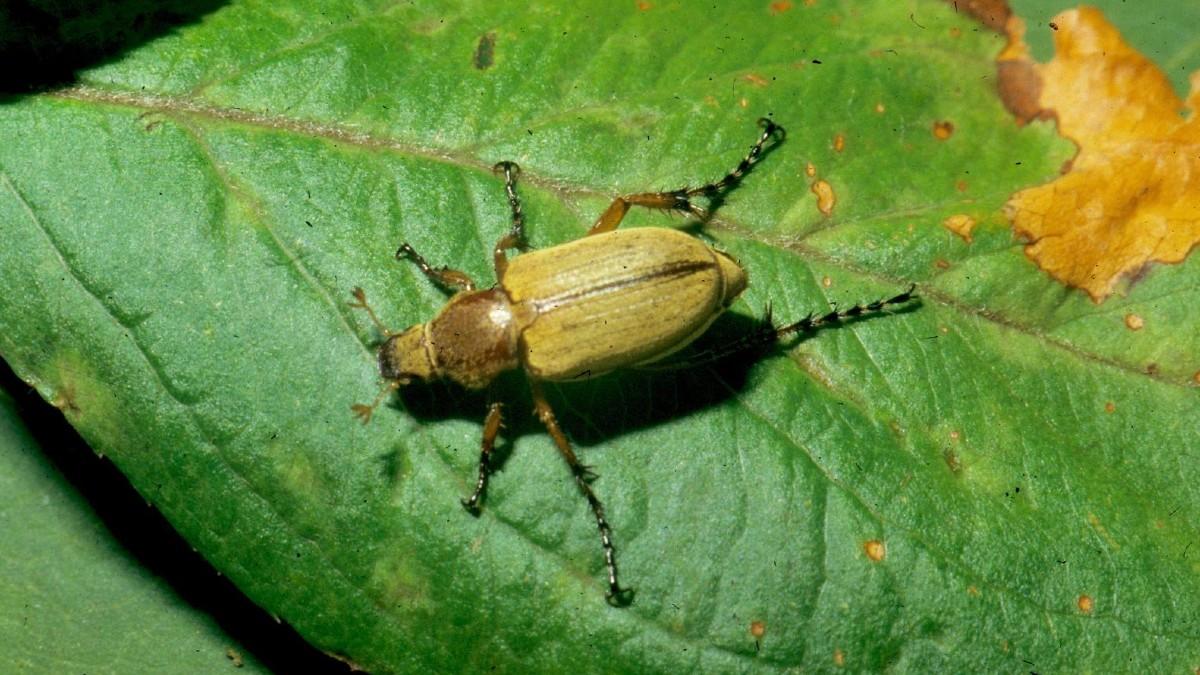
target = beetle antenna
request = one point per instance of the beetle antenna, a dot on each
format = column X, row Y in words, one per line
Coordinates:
column 360, row 302
column 363, row 411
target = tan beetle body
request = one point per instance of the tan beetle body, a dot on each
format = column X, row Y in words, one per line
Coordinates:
column 612, row 299
column 574, row 311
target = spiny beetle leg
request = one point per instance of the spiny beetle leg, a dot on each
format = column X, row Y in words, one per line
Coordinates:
column 516, row 235
column 680, row 200
column 544, row 412
column 491, row 428
column 450, row 279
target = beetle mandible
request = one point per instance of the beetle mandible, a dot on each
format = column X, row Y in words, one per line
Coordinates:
column 611, row 299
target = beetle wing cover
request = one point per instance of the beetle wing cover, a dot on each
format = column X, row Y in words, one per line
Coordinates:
column 614, row 300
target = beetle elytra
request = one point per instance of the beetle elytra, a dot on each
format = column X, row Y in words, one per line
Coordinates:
column 609, row 300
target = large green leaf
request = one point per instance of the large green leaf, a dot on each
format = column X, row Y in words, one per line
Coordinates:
column 183, row 226
column 74, row 599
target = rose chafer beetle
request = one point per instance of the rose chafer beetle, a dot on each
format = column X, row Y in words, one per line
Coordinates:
column 609, row 300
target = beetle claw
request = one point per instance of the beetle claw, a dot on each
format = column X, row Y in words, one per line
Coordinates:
column 507, row 167
column 619, row 597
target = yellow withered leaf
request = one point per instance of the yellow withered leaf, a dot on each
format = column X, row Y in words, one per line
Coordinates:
column 1131, row 196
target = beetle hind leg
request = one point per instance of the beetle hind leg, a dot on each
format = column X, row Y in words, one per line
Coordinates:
column 680, row 200
column 768, row 332
column 615, row 595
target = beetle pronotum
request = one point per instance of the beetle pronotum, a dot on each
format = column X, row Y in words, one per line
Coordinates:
column 611, row 299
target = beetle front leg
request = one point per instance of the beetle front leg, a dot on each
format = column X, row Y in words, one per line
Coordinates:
column 516, row 234
column 615, row 594
column 491, row 428
column 680, row 200
column 450, row 279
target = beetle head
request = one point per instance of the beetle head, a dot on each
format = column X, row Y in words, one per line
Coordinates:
column 405, row 357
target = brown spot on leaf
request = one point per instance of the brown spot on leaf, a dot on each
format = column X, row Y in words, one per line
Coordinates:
column 755, row 79
column 758, row 629
column 1196, row 377
column 1134, row 322
column 952, row 461
column 779, row 7
column 973, row 591
column 1085, row 604
column 1019, row 88
column 960, row 185
column 485, row 52
column 879, row 108
column 839, row 143
column 235, row 657
column 941, row 264
column 825, row 197
column 943, row 129
column 826, row 282
column 990, row 13
column 644, row 6
column 1129, row 197
column 810, row 170
column 874, row 549
column 839, row 658
column 960, row 224
column 1110, row 407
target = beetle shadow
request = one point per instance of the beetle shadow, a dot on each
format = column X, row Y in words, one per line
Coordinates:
column 591, row 412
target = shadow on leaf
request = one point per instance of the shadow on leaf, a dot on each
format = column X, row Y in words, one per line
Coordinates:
column 45, row 43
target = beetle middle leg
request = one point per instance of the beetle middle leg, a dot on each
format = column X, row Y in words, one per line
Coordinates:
column 615, row 594
column 680, row 200
column 516, row 234
column 491, row 428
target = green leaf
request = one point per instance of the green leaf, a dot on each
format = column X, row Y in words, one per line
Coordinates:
column 942, row 489
column 73, row 598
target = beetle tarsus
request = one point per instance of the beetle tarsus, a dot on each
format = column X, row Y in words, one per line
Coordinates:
column 471, row 505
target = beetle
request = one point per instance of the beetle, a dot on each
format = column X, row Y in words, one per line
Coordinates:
column 609, row 300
